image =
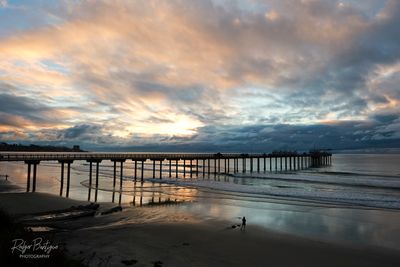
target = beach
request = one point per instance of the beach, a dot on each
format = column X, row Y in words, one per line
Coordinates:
column 168, row 235
column 212, row 243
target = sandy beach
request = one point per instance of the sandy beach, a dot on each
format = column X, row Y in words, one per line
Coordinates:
column 7, row 186
column 30, row 203
column 212, row 244
column 160, row 236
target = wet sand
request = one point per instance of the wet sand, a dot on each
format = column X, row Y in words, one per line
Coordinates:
column 143, row 236
column 212, row 243
column 7, row 186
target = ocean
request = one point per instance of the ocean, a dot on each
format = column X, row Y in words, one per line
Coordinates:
column 356, row 199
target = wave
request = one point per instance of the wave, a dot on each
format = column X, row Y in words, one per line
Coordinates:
column 357, row 174
column 339, row 188
column 372, row 200
column 384, row 182
column 387, row 182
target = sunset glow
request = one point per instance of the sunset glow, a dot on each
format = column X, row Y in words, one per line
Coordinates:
column 140, row 73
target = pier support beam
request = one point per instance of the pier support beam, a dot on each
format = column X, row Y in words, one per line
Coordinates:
column 170, row 168
column 191, row 168
column 115, row 174
column 121, row 174
column 142, row 172
column 176, row 168
column 90, row 180
column 34, row 178
column 28, row 179
column 62, row 178
column 265, row 163
column 208, row 165
column 97, row 161
column 63, row 162
column 161, row 169
column 121, row 171
column 285, row 163
column 225, row 166
column 97, row 180
column 294, row 162
column 121, row 161
column 154, row 169
column 204, row 168
column 34, row 163
column 135, row 172
column 184, row 168
column 270, row 164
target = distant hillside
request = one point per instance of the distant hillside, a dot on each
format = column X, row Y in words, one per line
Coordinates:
column 36, row 148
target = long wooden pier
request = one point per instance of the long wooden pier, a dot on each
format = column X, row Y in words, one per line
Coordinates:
column 204, row 164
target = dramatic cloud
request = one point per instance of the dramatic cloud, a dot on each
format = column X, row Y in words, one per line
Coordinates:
column 201, row 74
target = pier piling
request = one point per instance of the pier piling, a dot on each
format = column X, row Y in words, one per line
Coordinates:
column 34, row 173
column 135, row 172
column 62, row 178
column 142, row 172
column 170, row 168
column 176, row 169
column 28, row 179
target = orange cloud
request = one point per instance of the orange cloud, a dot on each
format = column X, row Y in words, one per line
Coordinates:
column 120, row 63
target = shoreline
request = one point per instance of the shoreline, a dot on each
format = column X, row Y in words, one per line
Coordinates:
column 143, row 236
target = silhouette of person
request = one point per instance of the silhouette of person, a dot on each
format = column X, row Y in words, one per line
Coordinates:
column 243, row 226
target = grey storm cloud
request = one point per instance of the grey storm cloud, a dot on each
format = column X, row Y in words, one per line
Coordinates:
column 16, row 110
column 346, row 135
column 81, row 131
column 19, row 105
column 261, row 75
column 386, row 118
column 356, row 135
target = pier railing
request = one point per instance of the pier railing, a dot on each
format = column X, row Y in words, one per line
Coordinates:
column 24, row 156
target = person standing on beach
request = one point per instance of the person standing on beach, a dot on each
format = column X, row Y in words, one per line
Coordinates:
column 243, row 227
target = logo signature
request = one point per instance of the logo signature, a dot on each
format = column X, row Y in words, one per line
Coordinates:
column 38, row 248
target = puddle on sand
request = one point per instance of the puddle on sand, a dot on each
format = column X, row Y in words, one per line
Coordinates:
column 40, row 229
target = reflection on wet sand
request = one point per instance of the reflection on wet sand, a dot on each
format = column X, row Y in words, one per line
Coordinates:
column 138, row 193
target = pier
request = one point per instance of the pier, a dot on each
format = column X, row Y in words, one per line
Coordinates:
column 191, row 164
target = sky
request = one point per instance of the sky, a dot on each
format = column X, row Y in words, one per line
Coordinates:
column 210, row 75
